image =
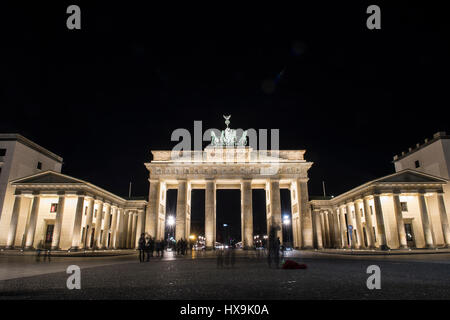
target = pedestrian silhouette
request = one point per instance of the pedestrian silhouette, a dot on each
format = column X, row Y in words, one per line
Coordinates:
column 141, row 247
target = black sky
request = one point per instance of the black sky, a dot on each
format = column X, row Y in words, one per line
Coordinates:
column 102, row 97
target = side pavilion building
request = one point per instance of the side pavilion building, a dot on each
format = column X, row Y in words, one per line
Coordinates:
column 402, row 210
column 58, row 211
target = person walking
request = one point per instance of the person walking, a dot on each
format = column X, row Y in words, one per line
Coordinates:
column 141, row 247
column 147, row 247
column 151, row 246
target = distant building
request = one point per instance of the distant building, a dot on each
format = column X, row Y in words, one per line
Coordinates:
column 431, row 157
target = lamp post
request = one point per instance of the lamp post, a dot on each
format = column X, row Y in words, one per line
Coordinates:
column 170, row 223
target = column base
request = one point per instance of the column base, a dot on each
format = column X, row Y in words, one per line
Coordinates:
column 74, row 249
column 9, row 248
column 55, row 248
column 307, row 247
column 429, row 246
column 384, row 247
column 404, row 247
column 29, row 248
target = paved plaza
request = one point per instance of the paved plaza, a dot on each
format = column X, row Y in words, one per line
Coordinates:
column 328, row 276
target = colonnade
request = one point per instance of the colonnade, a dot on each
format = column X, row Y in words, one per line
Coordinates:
column 301, row 214
column 97, row 223
column 365, row 215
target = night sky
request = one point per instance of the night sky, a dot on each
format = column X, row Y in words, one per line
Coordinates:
column 102, row 97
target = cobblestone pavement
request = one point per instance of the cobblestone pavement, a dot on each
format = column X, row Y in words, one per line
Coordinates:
column 328, row 276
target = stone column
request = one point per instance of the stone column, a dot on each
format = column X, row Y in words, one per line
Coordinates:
column 152, row 214
column 275, row 205
column 58, row 222
column 123, row 238
column 77, row 224
column 399, row 219
column 106, row 227
column 31, row 230
column 380, row 222
column 337, row 237
column 327, row 228
column 359, row 227
column 369, row 224
column 88, row 224
column 247, row 214
column 330, row 228
column 305, row 214
column 132, row 229
column 210, row 214
column 98, row 225
column 180, row 226
column 119, row 233
column 139, row 226
column 427, row 232
column 343, row 228
column 444, row 219
column 350, row 222
column 134, row 232
column 318, row 225
column 14, row 220
column 129, row 229
column 112, row 241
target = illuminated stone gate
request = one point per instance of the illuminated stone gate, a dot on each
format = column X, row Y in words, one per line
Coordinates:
column 229, row 167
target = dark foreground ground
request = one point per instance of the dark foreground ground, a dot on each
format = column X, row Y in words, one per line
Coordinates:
column 328, row 276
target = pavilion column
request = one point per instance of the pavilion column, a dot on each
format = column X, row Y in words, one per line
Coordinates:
column 427, row 232
column 247, row 214
column 134, row 231
column 14, row 220
column 152, row 214
column 444, row 219
column 123, row 237
column 400, row 224
column 139, row 226
column 180, row 225
column 330, row 228
column 31, row 230
column 210, row 214
column 324, row 231
column 318, row 225
column 88, row 224
column 112, row 239
column 129, row 229
column 327, row 228
column 380, row 222
column 76, row 234
column 337, row 238
column 350, row 222
column 98, row 225
column 275, row 208
column 58, row 222
column 106, row 228
column 343, row 228
column 120, row 227
column 359, row 227
column 369, row 224
column 305, row 214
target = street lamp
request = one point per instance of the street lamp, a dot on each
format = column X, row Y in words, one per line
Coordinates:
column 286, row 223
column 170, row 223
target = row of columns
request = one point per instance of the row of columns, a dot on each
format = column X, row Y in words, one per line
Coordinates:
column 124, row 230
column 331, row 226
column 156, row 211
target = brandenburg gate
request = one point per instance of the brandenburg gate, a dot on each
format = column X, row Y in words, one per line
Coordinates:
column 228, row 164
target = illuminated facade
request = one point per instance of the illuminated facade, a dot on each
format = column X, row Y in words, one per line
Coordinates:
column 402, row 210
column 53, row 210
